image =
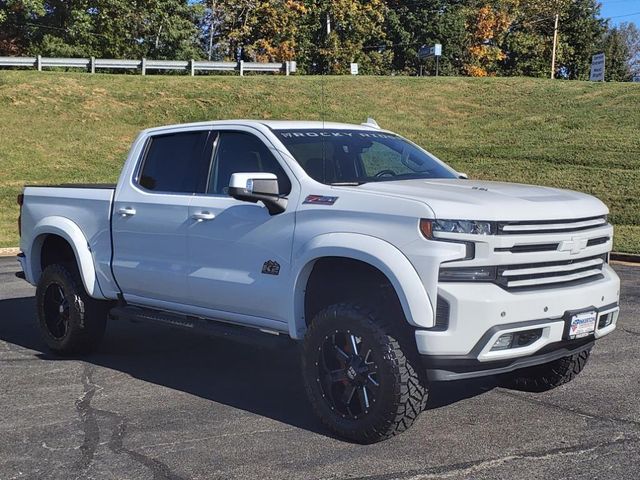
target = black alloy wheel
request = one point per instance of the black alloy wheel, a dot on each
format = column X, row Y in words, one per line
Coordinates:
column 361, row 372
column 347, row 374
column 56, row 311
column 70, row 320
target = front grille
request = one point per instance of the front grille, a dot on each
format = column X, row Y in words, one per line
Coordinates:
column 533, row 276
column 551, row 226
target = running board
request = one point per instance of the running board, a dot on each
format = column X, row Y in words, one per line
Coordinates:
column 237, row 333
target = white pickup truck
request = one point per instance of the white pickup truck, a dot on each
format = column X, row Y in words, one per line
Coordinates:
column 391, row 269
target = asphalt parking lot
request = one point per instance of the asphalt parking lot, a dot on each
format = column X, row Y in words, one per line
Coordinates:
column 164, row 404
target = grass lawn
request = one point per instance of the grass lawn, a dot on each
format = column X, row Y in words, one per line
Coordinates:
column 74, row 127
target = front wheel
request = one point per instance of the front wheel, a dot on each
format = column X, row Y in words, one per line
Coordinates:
column 541, row 378
column 70, row 320
column 360, row 381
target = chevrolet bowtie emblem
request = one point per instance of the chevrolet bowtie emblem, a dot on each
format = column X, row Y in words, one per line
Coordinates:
column 574, row 246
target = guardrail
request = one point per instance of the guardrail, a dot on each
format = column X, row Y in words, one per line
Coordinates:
column 192, row 66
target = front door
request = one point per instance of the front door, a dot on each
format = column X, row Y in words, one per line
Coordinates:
column 151, row 218
column 240, row 255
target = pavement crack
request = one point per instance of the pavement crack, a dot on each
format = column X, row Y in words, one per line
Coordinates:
column 469, row 468
column 88, row 420
column 159, row 469
column 630, row 332
column 575, row 411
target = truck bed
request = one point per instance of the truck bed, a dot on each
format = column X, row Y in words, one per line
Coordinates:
column 88, row 206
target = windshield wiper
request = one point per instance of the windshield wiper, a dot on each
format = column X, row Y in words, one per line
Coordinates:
column 346, row 184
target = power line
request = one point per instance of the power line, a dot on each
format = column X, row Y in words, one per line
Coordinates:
column 625, row 15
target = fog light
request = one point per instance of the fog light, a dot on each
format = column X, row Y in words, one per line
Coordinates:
column 605, row 320
column 517, row 339
column 503, row 342
column 522, row 339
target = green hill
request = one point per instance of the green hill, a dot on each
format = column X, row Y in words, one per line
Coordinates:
column 67, row 127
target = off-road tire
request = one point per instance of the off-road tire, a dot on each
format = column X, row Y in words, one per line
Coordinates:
column 401, row 394
column 541, row 378
column 85, row 319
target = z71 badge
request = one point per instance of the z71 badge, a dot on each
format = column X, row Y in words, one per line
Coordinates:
column 320, row 200
column 271, row 267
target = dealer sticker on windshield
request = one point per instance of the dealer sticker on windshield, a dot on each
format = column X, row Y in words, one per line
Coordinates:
column 582, row 324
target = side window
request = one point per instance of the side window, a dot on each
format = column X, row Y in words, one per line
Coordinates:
column 239, row 152
column 176, row 163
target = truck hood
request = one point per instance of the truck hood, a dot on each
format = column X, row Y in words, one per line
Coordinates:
column 496, row 201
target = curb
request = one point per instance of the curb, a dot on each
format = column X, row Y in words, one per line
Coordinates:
column 9, row 252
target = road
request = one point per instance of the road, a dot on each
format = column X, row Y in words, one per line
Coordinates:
column 158, row 403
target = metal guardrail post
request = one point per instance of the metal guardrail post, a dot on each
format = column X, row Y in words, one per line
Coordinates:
column 241, row 67
column 144, row 66
column 39, row 63
column 92, row 65
column 192, row 67
column 287, row 66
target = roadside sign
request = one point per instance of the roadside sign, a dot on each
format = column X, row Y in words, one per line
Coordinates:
column 597, row 68
column 427, row 52
column 354, row 69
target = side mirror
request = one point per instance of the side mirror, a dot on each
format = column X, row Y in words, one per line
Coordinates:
column 463, row 175
column 258, row 187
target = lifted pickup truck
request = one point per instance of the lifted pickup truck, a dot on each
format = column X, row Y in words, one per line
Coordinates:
column 391, row 269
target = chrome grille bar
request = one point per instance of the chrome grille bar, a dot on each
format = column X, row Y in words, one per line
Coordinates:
column 551, row 226
column 545, row 274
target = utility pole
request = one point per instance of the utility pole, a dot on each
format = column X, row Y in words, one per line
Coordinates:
column 211, row 21
column 555, row 44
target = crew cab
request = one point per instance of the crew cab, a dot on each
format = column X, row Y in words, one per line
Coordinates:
column 392, row 270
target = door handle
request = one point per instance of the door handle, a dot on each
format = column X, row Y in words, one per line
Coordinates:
column 201, row 216
column 127, row 211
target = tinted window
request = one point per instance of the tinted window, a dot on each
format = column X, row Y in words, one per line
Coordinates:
column 335, row 156
column 239, row 152
column 176, row 163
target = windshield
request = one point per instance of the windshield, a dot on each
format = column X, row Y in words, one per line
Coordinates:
column 360, row 156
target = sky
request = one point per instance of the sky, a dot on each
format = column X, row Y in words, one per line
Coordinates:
column 614, row 8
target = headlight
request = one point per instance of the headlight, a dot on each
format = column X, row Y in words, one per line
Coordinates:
column 468, row 274
column 475, row 227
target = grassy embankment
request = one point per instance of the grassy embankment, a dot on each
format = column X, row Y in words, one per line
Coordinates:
column 67, row 127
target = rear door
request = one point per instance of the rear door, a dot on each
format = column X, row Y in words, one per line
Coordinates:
column 151, row 218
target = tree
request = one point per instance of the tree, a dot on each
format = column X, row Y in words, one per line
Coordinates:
column 344, row 31
column 616, row 53
column 410, row 24
column 16, row 24
column 581, row 30
column 106, row 28
column 487, row 27
column 631, row 37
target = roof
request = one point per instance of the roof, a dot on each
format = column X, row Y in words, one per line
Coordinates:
column 272, row 124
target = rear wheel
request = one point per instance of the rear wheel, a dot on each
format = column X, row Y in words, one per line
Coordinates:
column 547, row 376
column 70, row 320
column 361, row 382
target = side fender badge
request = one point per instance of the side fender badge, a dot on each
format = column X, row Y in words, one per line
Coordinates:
column 271, row 267
column 320, row 200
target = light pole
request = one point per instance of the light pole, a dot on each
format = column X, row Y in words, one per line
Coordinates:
column 553, row 51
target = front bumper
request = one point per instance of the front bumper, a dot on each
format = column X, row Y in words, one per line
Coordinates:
column 447, row 369
column 480, row 313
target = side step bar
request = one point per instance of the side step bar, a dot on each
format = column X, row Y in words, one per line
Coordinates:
column 205, row 326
